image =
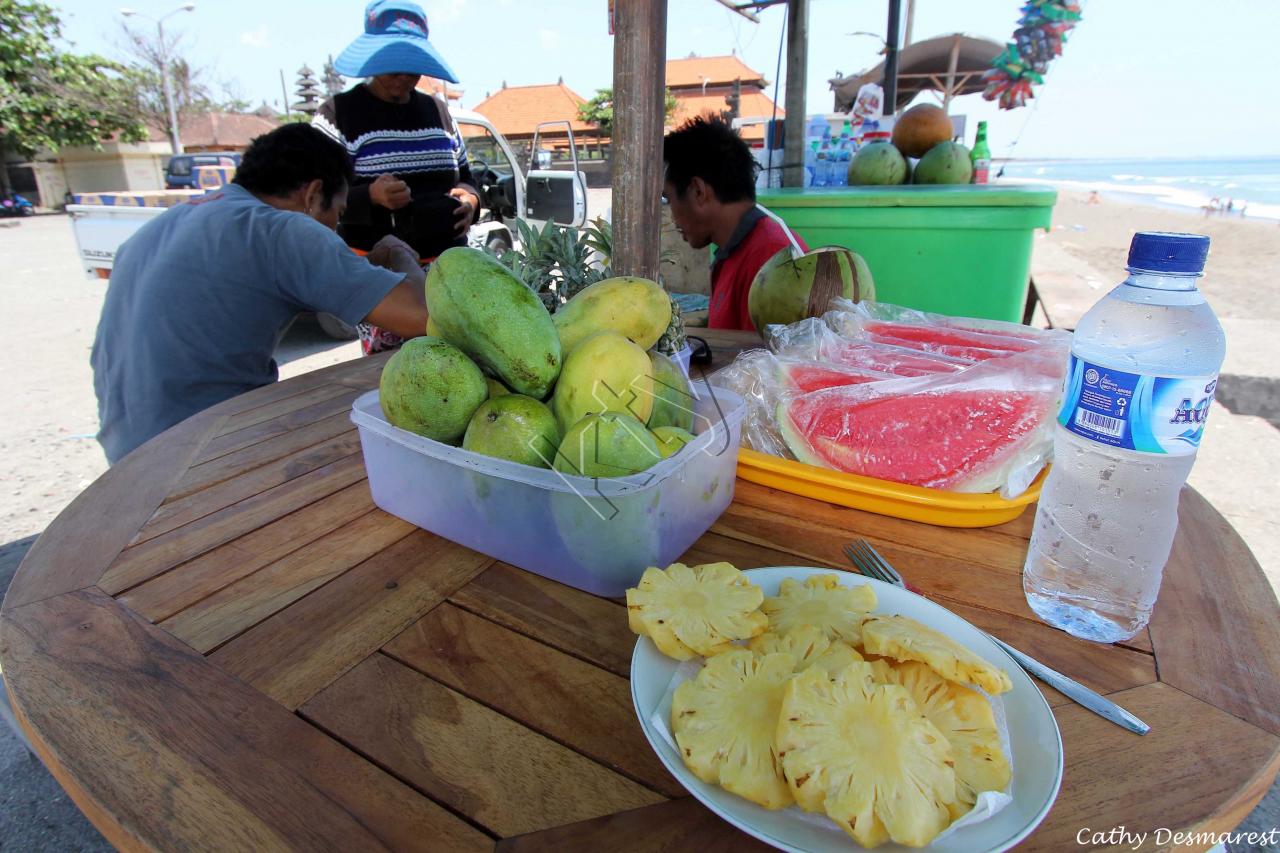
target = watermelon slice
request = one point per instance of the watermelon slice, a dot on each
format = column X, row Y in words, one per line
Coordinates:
column 938, row 438
column 806, row 376
column 948, row 336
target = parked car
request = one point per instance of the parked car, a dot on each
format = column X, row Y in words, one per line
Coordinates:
column 181, row 172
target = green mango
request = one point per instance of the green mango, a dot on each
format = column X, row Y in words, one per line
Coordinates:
column 430, row 387
column 612, row 444
column 673, row 401
column 636, row 308
column 488, row 313
column 514, row 427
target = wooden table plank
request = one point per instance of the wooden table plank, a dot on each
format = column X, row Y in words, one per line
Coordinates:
column 303, row 648
column 236, row 608
column 82, row 541
column 209, row 762
column 184, row 585
column 1214, row 632
column 287, row 406
column 505, row 777
column 231, row 441
column 683, row 824
column 235, row 464
column 355, row 373
column 1174, row 777
column 1105, row 668
column 174, row 514
column 567, row 619
column 145, row 561
column 771, row 516
column 575, row 703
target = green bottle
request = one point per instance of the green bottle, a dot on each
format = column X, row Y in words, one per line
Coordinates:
column 980, row 156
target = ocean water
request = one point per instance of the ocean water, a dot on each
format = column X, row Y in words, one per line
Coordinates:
column 1249, row 182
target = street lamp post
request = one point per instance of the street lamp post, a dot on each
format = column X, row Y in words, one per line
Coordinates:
column 174, row 140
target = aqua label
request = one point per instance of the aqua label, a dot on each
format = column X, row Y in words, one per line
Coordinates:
column 1133, row 411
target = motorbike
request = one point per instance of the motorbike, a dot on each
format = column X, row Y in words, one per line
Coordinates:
column 13, row 204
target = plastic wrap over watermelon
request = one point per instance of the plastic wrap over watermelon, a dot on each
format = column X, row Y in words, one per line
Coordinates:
column 986, row 428
column 763, row 380
column 968, row 338
column 813, row 339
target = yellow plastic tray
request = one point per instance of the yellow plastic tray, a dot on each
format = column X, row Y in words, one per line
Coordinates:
column 916, row 503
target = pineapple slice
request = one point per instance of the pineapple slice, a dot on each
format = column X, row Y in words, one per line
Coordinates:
column 903, row 638
column 864, row 754
column 809, row 646
column 695, row 611
column 965, row 719
column 724, row 722
column 822, row 602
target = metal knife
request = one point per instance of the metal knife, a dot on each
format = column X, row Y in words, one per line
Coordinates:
column 1095, row 702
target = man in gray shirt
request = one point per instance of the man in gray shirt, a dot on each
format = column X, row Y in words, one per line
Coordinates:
column 200, row 296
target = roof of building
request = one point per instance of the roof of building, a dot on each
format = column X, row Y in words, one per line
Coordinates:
column 517, row 110
column 752, row 105
column 219, row 130
column 432, row 86
column 715, row 70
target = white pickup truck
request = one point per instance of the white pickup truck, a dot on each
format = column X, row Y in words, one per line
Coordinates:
column 103, row 221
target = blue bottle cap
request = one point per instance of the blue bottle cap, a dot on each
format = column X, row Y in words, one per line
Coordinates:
column 1164, row 251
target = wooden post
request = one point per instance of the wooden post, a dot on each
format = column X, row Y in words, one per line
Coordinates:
column 797, row 61
column 890, row 83
column 951, row 73
column 639, row 108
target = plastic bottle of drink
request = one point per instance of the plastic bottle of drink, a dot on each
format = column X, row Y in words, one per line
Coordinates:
column 820, row 171
column 980, row 156
column 844, row 153
column 1144, row 365
column 811, row 163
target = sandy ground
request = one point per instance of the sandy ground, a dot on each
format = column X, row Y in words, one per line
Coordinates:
column 48, row 453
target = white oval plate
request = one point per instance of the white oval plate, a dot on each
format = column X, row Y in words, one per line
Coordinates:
column 1033, row 735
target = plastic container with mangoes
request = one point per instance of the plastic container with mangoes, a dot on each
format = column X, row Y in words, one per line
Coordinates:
column 597, row 535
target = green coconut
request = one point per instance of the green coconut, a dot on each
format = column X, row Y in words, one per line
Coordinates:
column 787, row 290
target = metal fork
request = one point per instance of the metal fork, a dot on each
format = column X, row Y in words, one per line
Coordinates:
column 868, row 562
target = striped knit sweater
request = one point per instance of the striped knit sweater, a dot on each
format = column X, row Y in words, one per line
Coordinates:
column 419, row 143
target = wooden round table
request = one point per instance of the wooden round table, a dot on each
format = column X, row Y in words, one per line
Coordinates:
column 222, row 643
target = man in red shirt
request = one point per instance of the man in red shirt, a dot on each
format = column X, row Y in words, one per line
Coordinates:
column 711, row 188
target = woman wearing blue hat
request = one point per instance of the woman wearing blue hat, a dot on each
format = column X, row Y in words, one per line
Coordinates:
column 412, row 176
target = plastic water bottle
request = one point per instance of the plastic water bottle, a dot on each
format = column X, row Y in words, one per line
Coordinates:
column 820, row 171
column 811, row 164
column 1144, row 365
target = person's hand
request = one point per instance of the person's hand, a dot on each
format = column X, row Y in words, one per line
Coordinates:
column 390, row 192
column 467, row 204
column 394, row 254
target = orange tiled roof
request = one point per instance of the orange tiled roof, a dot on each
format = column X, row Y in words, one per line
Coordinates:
column 717, row 70
column 752, row 105
column 432, row 86
column 517, row 110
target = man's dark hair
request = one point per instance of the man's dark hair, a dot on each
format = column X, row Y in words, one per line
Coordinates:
column 292, row 155
column 707, row 148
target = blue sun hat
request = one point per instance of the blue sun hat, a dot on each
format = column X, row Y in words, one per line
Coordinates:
column 394, row 42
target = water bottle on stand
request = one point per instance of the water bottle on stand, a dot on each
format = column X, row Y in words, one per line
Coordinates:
column 820, row 171
column 1143, row 369
column 811, row 164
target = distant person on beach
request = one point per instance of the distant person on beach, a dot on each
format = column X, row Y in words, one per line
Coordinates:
column 200, row 295
column 1093, row 197
column 412, row 179
column 710, row 187
column 1230, row 205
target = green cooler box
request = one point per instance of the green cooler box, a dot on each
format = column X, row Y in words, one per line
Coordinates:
column 958, row 250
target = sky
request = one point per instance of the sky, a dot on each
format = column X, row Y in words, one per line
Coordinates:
column 1138, row 78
